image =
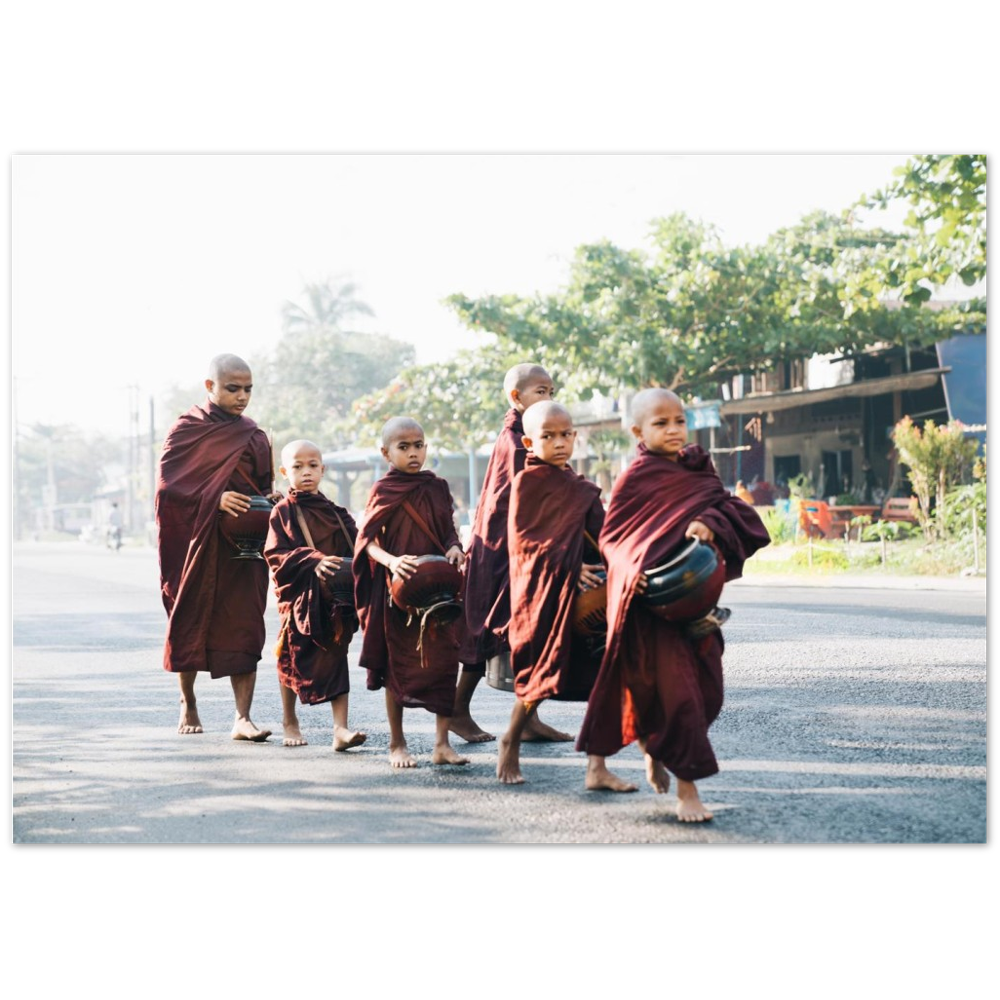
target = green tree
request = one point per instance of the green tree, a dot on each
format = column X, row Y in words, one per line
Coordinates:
column 692, row 313
column 68, row 459
column 946, row 226
column 938, row 458
column 459, row 402
column 327, row 304
column 306, row 385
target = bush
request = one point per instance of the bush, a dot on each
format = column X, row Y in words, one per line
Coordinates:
column 822, row 558
column 780, row 525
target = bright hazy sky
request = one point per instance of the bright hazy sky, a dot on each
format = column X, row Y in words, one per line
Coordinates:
column 136, row 269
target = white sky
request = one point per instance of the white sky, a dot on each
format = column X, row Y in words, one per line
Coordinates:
column 136, row 269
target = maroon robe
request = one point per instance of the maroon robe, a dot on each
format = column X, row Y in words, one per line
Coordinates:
column 487, row 580
column 215, row 604
column 656, row 683
column 315, row 636
column 416, row 678
column 550, row 508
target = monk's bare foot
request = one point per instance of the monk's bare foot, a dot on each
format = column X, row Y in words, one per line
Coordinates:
column 244, row 729
column 293, row 735
column 445, row 754
column 344, row 739
column 399, row 756
column 468, row 729
column 600, row 779
column 536, row 731
column 690, row 808
column 509, row 762
column 657, row 775
column 189, row 723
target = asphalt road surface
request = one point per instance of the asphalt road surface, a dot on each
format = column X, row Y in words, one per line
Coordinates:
column 854, row 714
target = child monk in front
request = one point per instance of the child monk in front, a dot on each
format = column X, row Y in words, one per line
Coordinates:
column 308, row 537
column 657, row 683
column 487, row 582
column 409, row 514
column 552, row 509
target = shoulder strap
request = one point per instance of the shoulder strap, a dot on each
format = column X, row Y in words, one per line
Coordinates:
column 300, row 518
column 343, row 528
column 242, row 472
column 303, row 527
column 423, row 525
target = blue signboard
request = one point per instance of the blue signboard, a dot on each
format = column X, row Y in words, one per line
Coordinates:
column 700, row 417
column 965, row 384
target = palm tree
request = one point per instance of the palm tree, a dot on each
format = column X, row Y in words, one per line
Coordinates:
column 328, row 304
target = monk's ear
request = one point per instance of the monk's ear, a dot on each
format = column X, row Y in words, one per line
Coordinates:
column 526, row 441
column 637, row 431
column 210, row 386
column 515, row 396
column 385, row 453
column 281, row 469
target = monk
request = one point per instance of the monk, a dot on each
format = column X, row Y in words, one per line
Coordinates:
column 308, row 538
column 487, row 585
column 552, row 510
column 659, row 684
column 409, row 514
column 214, row 458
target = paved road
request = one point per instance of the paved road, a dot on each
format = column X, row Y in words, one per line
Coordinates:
column 852, row 715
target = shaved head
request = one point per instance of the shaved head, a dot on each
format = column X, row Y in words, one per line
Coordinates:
column 226, row 364
column 521, row 375
column 649, row 399
column 397, row 427
column 293, row 448
column 536, row 415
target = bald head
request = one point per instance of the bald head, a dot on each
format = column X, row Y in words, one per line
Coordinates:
column 229, row 383
column 526, row 384
column 226, row 364
column 646, row 402
column 658, row 421
column 301, row 449
column 302, row 465
column 545, row 412
column 399, row 427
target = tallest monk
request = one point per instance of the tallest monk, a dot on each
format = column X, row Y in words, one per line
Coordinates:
column 214, row 458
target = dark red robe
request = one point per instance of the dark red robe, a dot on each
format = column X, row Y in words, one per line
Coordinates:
column 215, row 604
column 487, row 581
column 416, row 678
column 315, row 635
column 655, row 683
column 550, row 508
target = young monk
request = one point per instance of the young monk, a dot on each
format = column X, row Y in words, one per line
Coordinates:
column 656, row 684
column 551, row 508
column 487, row 586
column 389, row 541
column 307, row 540
column 214, row 458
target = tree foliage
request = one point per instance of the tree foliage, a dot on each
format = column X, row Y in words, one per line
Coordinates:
column 692, row 313
column 460, row 403
column 938, row 458
column 306, row 385
column 73, row 461
column 947, row 229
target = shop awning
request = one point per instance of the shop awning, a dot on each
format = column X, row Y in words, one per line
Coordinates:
column 771, row 401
